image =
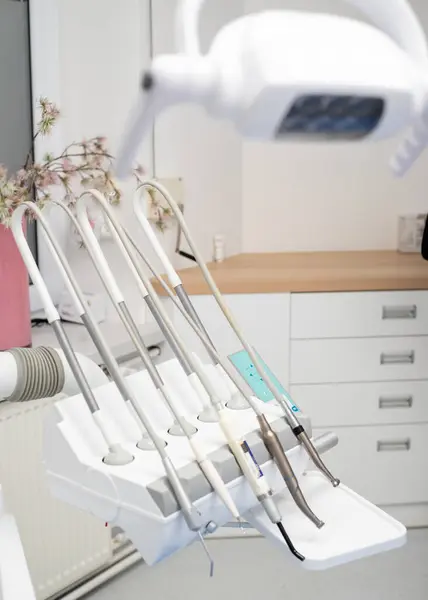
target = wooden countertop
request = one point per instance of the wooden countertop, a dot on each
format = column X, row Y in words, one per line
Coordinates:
column 312, row 272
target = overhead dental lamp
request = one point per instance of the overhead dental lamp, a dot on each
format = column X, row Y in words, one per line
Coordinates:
column 285, row 75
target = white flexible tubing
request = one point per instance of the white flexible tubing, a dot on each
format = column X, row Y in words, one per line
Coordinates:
column 99, row 418
column 290, row 416
column 80, row 308
column 201, row 335
column 171, row 273
column 140, row 284
column 200, row 455
column 225, row 420
column 36, row 277
column 52, row 315
column 130, row 258
column 95, row 249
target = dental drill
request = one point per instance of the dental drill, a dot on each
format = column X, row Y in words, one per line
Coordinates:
column 190, row 513
column 290, row 417
column 116, row 455
column 269, row 437
column 197, row 376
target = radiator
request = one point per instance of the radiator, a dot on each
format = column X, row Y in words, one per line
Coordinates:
column 62, row 545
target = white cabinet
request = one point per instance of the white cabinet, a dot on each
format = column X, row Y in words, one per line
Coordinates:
column 359, row 360
column 388, row 465
column 356, row 363
column 356, row 404
column 359, row 314
column 265, row 319
column 359, row 364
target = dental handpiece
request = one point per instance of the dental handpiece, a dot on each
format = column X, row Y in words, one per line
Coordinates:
column 296, row 427
column 239, row 448
column 268, row 435
column 117, row 455
column 189, row 511
column 205, row 464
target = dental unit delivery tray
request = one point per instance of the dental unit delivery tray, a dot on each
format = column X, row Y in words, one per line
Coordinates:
column 137, row 496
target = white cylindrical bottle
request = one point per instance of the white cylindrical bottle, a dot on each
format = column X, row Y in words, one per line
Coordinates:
column 218, row 255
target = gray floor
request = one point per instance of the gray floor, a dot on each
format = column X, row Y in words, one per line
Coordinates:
column 251, row 569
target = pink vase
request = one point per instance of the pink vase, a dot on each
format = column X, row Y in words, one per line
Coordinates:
column 15, row 319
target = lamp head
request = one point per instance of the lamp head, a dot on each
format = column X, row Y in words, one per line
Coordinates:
column 284, row 75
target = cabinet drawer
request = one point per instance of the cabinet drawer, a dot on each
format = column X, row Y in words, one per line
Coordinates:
column 349, row 404
column 359, row 314
column 359, row 360
column 386, row 465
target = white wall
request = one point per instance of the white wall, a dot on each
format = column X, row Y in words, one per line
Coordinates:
column 105, row 46
column 188, row 143
column 325, row 197
column 262, row 197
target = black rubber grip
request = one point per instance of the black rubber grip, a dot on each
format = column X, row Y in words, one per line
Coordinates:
column 298, row 430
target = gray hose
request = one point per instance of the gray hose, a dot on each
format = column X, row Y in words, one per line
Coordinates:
column 40, row 374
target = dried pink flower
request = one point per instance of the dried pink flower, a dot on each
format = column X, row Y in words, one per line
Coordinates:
column 68, row 166
column 51, row 178
column 22, row 177
column 89, row 160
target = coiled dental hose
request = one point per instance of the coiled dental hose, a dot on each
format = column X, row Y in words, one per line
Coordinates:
column 39, row 374
column 22, row 367
column 290, row 417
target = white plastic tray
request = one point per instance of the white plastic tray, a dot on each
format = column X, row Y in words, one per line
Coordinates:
column 354, row 528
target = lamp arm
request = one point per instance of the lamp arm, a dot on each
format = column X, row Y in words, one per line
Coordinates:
column 395, row 17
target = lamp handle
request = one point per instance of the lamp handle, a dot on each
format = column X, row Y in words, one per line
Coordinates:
column 395, row 17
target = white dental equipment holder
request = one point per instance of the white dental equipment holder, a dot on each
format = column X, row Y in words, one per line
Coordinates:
column 136, row 496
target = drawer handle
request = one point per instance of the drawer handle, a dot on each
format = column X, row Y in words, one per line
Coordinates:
column 397, row 402
column 400, row 312
column 394, row 446
column 397, row 358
